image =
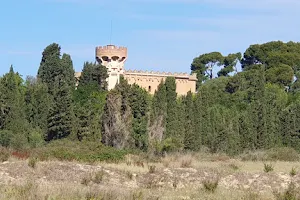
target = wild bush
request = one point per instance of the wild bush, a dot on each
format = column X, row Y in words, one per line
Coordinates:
column 283, row 154
column 291, row 193
column 79, row 151
column 4, row 154
column 186, row 161
column 210, row 185
column 32, row 162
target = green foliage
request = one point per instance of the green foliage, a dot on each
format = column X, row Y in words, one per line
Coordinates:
column 35, row 138
column 204, row 64
column 256, row 110
column 276, row 54
column 139, row 102
column 5, row 138
column 93, row 74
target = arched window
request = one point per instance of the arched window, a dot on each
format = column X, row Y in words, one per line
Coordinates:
column 149, row 88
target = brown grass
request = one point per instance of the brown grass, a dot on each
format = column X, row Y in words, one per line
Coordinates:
column 176, row 176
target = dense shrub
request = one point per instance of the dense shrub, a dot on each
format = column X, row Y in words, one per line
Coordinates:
column 275, row 154
column 5, row 138
column 283, row 154
column 79, row 151
column 4, row 154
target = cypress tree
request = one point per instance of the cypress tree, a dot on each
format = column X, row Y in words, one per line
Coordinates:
column 58, row 75
column 191, row 139
column 139, row 104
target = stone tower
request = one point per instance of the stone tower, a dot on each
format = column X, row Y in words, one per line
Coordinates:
column 113, row 58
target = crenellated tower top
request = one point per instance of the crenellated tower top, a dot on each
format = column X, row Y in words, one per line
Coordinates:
column 113, row 58
column 105, row 53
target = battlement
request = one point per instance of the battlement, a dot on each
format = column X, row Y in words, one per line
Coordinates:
column 110, row 51
column 111, row 47
column 161, row 74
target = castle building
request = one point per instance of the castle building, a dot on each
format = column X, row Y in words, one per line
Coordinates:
column 114, row 58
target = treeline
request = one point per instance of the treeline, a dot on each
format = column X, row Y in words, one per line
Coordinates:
column 256, row 108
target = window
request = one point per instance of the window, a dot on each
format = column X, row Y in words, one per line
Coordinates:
column 149, row 88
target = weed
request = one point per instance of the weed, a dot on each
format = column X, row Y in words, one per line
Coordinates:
column 4, row 154
column 166, row 161
column 186, row 161
column 151, row 169
column 98, row 178
column 129, row 175
column 175, row 183
column 293, row 172
column 291, row 193
column 137, row 195
column 86, row 180
column 233, row 166
column 32, row 162
column 210, row 185
column 268, row 168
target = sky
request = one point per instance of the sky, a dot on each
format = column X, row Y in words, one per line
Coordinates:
column 161, row 35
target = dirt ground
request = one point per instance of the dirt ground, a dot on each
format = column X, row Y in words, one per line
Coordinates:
column 181, row 178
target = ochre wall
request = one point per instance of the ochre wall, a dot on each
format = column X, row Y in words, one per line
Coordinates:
column 150, row 81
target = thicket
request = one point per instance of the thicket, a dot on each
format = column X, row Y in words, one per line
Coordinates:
column 256, row 108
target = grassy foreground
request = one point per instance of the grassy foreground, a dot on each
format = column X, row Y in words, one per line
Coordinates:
column 111, row 174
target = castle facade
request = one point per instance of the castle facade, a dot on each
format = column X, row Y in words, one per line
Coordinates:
column 114, row 58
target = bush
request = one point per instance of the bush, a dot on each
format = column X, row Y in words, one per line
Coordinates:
column 36, row 138
column 210, row 185
column 4, row 154
column 79, row 151
column 5, row 138
column 19, row 142
column 254, row 156
column 283, row 154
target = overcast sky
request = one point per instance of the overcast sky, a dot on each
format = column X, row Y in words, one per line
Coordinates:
column 161, row 35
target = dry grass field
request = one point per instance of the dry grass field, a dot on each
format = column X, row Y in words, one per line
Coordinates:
column 176, row 176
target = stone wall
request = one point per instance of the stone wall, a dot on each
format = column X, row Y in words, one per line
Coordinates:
column 151, row 80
